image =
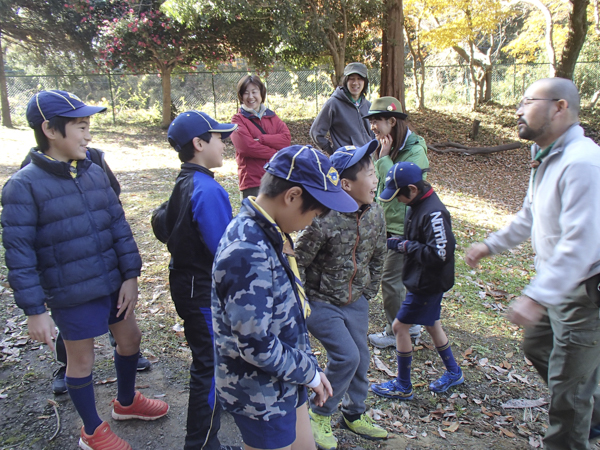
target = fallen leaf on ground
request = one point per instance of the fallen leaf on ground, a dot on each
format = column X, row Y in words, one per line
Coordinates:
column 107, row 380
column 441, row 433
column 507, row 433
column 452, row 428
column 523, row 403
column 380, row 365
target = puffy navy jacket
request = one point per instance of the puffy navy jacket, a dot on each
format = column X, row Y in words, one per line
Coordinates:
column 67, row 241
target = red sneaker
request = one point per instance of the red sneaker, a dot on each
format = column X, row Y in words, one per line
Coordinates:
column 142, row 408
column 102, row 439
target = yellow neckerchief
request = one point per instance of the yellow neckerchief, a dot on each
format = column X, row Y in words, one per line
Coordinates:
column 288, row 251
column 72, row 163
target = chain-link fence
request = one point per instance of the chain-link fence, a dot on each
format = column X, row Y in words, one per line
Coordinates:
column 292, row 94
column 452, row 85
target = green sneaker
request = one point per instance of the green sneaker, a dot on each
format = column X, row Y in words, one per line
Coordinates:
column 366, row 428
column 321, row 428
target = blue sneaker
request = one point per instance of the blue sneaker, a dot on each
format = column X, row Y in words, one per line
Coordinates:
column 447, row 380
column 393, row 389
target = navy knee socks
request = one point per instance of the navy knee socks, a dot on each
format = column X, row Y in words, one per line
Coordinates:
column 126, row 367
column 81, row 391
column 445, row 353
column 404, row 364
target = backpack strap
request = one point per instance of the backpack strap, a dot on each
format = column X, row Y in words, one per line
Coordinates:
column 258, row 126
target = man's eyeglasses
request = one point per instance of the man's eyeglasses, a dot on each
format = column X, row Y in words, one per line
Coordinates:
column 528, row 101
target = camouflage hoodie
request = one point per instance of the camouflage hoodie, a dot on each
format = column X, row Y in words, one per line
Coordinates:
column 262, row 351
column 340, row 256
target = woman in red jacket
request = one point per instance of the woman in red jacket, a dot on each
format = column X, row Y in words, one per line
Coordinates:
column 260, row 134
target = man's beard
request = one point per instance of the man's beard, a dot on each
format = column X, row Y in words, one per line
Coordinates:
column 531, row 134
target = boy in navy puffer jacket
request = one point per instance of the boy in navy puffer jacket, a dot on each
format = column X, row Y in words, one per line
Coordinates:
column 70, row 249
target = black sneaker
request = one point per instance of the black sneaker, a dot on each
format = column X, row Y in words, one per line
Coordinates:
column 59, row 384
column 143, row 364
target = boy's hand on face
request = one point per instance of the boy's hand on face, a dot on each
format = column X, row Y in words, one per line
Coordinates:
column 323, row 391
column 42, row 329
column 128, row 297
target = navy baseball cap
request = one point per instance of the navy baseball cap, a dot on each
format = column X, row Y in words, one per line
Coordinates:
column 349, row 155
column 48, row 104
column 191, row 124
column 400, row 175
column 311, row 169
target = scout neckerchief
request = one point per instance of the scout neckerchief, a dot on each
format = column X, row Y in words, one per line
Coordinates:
column 354, row 102
column 540, row 155
column 288, row 251
column 535, row 163
column 72, row 163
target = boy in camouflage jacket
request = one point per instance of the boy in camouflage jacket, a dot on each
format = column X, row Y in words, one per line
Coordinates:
column 341, row 256
column 263, row 361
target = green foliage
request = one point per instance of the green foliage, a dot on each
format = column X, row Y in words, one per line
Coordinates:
column 144, row 38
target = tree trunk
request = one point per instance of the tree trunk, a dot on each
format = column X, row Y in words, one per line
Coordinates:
column 418, row 65
column 475, row 100
column 488, row 84
column 578, row 26
column 597, row 17
column 550, row 52
column 392, row 60
column 6, row 119
column 165, row 77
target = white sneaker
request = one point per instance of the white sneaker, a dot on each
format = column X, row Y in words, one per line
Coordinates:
column 382, row 340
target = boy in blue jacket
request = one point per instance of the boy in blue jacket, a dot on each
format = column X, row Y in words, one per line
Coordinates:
column 70, row 249
column 263, row 361
column 192, row 223
column 428, row 245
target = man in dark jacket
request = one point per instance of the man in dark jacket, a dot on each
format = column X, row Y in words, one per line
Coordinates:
column 191, row 223
column 342, row 115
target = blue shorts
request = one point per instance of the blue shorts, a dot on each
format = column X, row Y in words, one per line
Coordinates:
column 88, row 320
column 270, row 434
column 419, row 309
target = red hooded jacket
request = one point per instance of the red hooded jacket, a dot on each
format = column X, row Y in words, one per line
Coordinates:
column 251, row 155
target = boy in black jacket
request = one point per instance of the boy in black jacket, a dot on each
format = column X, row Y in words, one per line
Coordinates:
column 428, row 245
column 191, row 223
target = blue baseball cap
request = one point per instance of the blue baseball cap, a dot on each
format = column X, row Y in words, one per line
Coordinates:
column 191, row 124
column 400, row 175
column 311, row 169
column 48, row 104
column 345, row 157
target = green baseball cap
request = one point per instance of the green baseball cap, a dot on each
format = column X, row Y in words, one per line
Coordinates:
column 387, row 107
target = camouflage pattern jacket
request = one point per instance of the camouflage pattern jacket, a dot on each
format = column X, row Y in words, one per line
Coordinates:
column 262, row 351
column 341, row 255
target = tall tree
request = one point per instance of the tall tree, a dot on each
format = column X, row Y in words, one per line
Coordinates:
column 471, row 29
column 564, row 26
column 40, row 28
column 298, row 32
column 392, row 52
column 145, row 39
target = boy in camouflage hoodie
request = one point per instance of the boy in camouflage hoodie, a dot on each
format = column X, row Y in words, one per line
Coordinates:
column 263, row 361
column 341, row 256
